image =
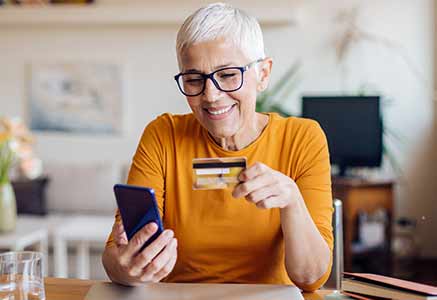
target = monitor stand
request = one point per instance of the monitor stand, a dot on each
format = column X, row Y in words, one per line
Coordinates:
column 342, row 171
column 342, row 174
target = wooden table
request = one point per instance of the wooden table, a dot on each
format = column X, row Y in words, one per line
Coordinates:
column 76, row 289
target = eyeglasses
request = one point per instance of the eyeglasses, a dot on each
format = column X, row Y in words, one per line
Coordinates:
column 229, row 79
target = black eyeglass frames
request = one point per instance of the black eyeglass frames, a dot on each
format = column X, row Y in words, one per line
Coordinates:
column 229, row 79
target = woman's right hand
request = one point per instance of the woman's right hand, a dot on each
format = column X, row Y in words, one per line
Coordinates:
column 126, row 264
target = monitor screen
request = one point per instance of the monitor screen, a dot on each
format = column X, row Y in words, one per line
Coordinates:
column 353, row 127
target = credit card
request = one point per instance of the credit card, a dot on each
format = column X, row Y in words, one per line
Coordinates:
column 217, row 173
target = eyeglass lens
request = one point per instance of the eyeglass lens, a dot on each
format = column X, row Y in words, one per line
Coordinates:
column 228, row 79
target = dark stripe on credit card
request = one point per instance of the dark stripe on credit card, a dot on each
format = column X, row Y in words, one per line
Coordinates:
column 241, row 164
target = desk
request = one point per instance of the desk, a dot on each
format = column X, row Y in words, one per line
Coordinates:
column 359, row 195
column 76, row 289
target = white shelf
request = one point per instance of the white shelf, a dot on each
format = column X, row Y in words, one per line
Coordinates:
column 117, row 15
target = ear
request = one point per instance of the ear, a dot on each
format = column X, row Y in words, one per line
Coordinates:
column 265, row 69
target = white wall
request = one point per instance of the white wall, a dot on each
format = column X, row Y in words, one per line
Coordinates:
column 147, row 54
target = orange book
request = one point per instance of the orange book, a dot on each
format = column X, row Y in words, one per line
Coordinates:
column 362, row 297
column 387, row 287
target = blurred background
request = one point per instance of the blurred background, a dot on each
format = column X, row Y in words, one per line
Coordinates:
column 79, row 80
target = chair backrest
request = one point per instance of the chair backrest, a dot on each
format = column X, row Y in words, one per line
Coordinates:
column 334, row 280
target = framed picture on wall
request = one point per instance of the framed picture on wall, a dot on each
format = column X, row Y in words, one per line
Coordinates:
column 82, row 97
column 34, row 2
column 71, row 1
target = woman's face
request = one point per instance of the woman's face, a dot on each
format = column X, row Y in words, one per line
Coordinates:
column 223, row 114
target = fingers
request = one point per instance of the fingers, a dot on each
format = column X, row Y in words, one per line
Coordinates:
column 262, row 194
column 146, row 256
column 253, row 171
column 119, row 234
column 268, row 203
column 247, row 187
column 167, row 268
column 265, row 187
column 138, row 240
column 160, row 266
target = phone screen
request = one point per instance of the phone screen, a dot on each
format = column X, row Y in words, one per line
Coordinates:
column 137, row 207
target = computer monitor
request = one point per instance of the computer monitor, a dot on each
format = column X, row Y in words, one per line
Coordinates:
column 353, row 127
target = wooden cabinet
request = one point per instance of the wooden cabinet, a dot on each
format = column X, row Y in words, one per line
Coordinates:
column 360, row 195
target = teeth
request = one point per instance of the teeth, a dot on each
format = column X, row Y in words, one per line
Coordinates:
column 221, row 111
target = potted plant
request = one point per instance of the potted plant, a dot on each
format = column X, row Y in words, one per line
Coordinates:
column 15, row 151
column 270, row 99
column 8, row 210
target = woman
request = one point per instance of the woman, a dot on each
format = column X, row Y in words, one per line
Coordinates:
column 275, row 225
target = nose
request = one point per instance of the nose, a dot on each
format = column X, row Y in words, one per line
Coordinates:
column 211, row 92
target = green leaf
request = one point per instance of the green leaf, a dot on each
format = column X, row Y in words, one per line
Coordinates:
column 272, row 92
column 270, row 100
column 292, row 70
column 392, row 160
column 6, row 158
column 259, row 107
column 280, row 110
column 262, row 98
column 287, row 90
column 395, row 136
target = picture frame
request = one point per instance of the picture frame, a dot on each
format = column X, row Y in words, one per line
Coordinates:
column 76, row 97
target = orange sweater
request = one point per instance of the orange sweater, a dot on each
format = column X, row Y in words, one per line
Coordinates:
column 220, row 238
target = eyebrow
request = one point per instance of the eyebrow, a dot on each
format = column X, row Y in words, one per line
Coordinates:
column 215, row 68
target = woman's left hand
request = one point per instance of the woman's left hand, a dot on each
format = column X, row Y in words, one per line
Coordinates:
column 266, row 188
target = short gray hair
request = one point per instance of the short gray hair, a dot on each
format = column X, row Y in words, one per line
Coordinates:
column 221, row 20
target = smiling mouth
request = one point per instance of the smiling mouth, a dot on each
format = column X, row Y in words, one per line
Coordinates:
column 217, row 112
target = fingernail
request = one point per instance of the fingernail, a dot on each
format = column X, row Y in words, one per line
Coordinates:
column 169, row 233
column 152, row 226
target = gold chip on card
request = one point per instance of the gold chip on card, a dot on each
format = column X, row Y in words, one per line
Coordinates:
column 217, row 173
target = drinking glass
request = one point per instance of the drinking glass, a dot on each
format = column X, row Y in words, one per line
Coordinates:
column 21, row 276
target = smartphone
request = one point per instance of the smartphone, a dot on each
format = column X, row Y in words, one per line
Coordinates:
column 138, row 207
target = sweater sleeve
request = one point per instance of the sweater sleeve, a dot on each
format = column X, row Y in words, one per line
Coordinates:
column 314, row 182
